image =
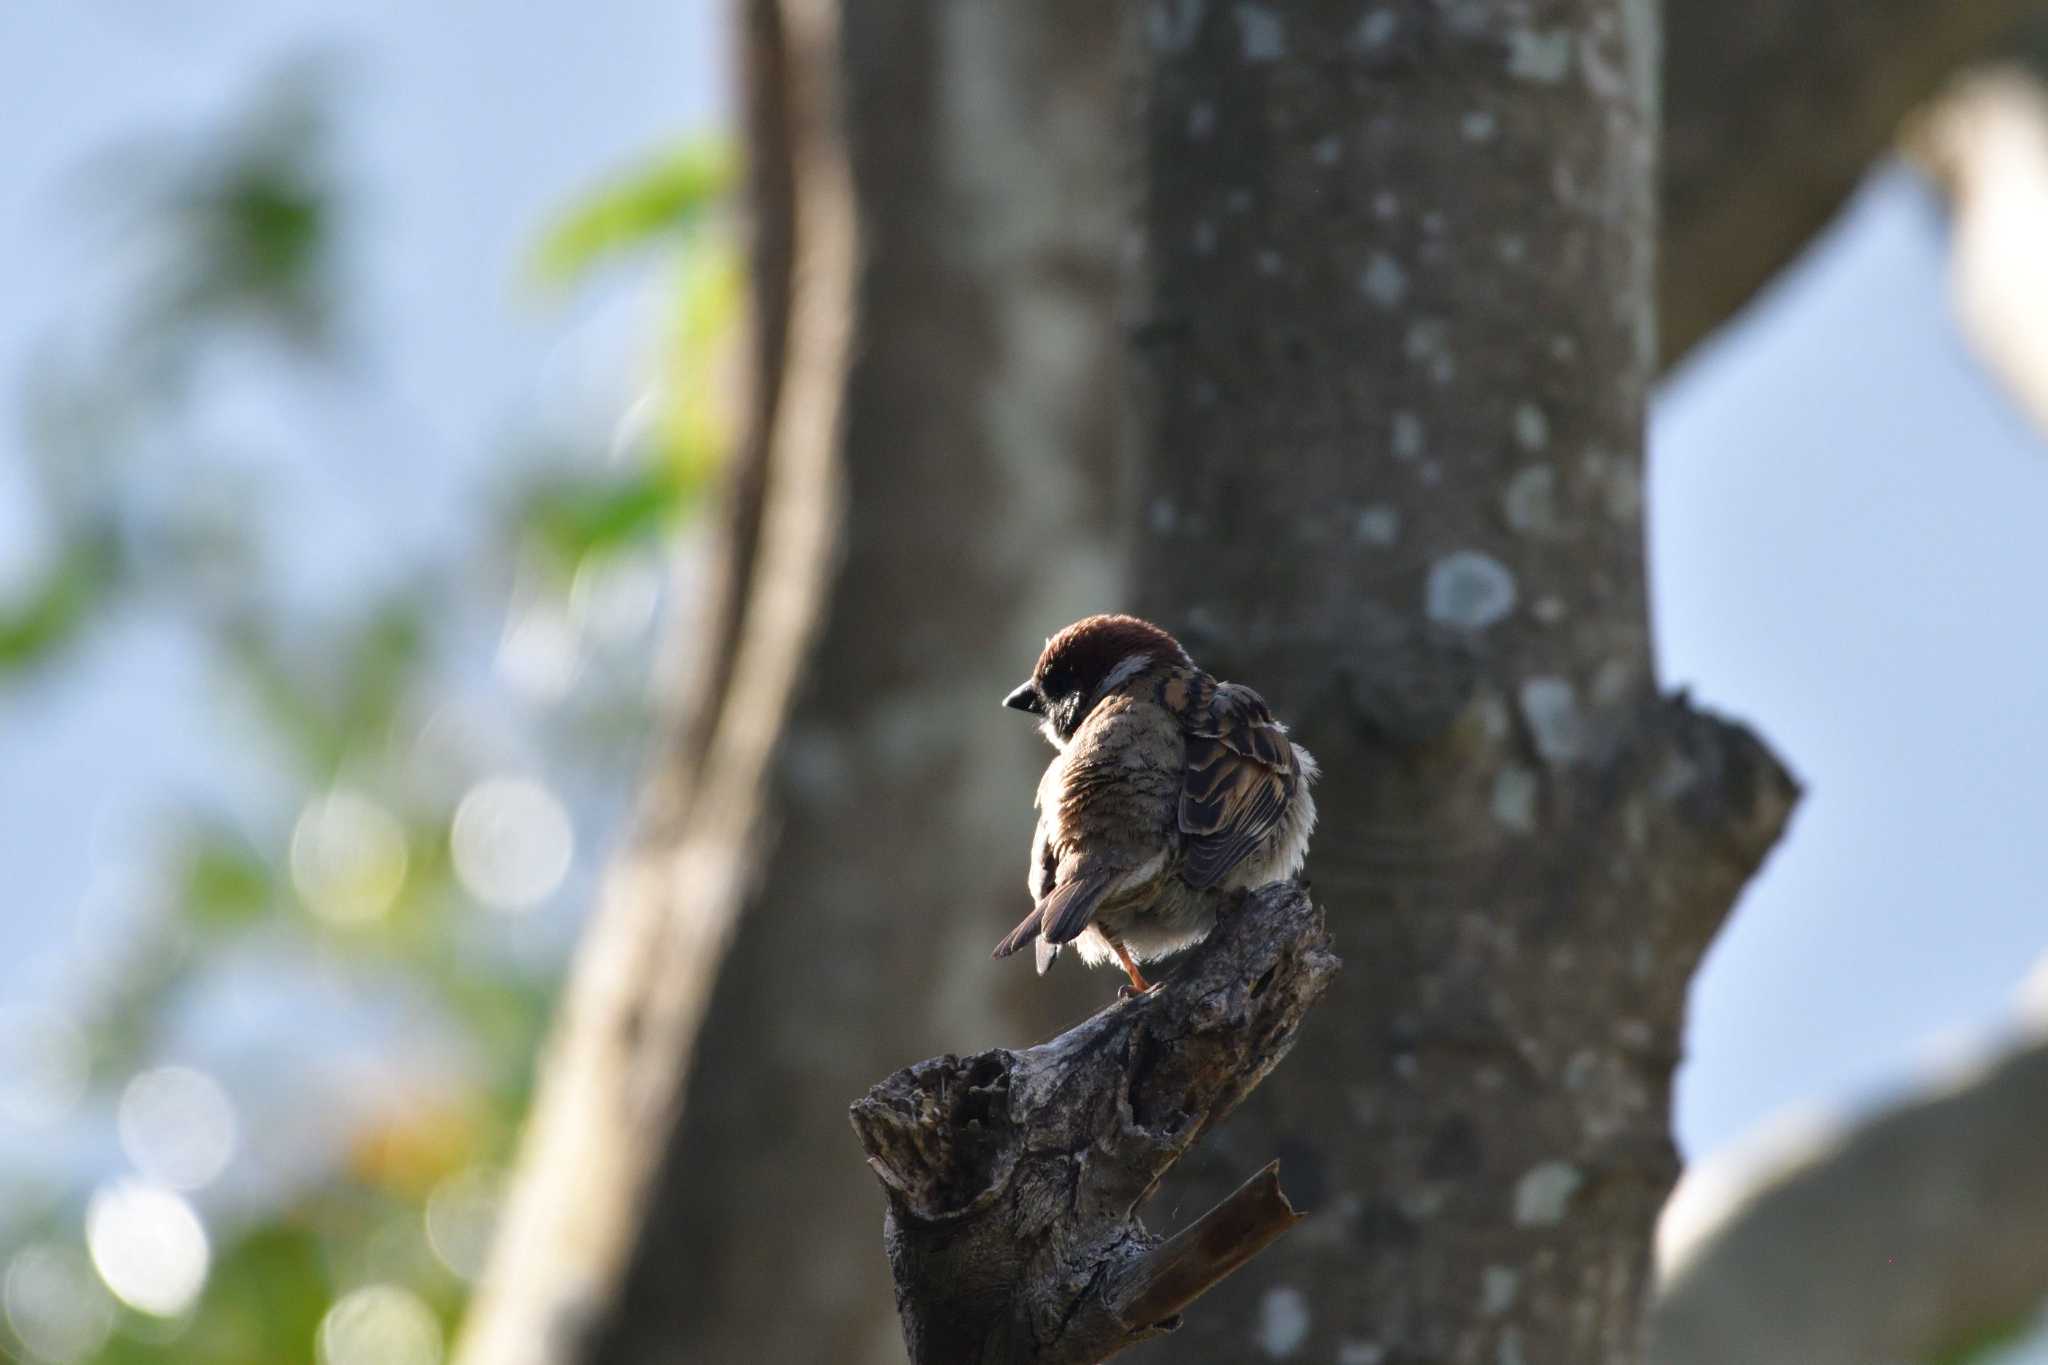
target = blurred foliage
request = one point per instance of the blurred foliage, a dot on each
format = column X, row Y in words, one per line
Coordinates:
column 1992, row 1343
column 650, row 205
column 244, row 225
column 668, row 204
column 56, row 609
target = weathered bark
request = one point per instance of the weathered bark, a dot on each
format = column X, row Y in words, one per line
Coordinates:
column 1014, row 1178
column 1775, row 109
column 1392, row 343
column 1911, row 1237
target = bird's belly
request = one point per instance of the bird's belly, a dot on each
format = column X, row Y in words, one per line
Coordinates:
column 1171, row 917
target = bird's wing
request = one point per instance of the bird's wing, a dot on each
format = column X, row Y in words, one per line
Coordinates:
column 1240, row 777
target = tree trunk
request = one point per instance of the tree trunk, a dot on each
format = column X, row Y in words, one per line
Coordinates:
column 1392, row 338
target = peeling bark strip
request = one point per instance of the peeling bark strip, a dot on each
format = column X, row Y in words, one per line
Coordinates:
column 1391, row 339
column 1014, row 1178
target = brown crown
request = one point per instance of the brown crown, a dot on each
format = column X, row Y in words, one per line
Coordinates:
column 1081, row 656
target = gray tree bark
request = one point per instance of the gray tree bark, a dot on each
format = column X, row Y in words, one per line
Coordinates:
column 1392, row 341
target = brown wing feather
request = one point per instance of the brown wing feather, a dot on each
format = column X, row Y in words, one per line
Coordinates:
column 1239, row 779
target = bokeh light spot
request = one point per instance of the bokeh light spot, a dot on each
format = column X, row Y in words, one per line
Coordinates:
column 380, row 1324
column 45, row 1062
column 55, row 1306
column 614, row 594
column 148, row 1245
column 462, row 1212
column 512, row 842
column 177, row 1126
column 348, row 858
column 540, row 653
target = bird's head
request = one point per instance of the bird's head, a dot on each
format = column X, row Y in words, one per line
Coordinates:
column 1086, row 662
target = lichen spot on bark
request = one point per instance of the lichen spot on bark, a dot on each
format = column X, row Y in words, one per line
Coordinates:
column 1529, row 502
column 1173, row 24
column 1550, row 706
column 1469, row 590
column 1374, row 31
column 1265, row 40
column 1514, row 799
column 1498, row 1285
column 1540, row 55
column 1428, row 344
column 1378, row 526
column 1544, row 1191
column 1383, row 280
column 1283, row 1321
column 1407, row 436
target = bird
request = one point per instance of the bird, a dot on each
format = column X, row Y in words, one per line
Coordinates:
column 1166, row 788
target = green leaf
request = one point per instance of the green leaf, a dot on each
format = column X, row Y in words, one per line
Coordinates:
column 663, row 197
column 571, row 518
column 55, row 610
column 263, row 1301
column 1981, row 1346
column 692, row 425
column 226, row 882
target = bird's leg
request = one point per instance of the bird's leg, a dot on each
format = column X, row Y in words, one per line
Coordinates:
column 1123, row 955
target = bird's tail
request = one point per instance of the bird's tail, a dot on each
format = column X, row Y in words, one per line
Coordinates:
column 1019, row 936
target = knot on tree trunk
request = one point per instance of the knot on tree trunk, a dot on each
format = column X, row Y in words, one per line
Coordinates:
column 1013, row 1178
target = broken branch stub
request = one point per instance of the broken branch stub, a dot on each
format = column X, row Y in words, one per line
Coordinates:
column 1013, row 1178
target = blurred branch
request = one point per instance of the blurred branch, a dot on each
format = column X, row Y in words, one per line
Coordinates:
column 1916, row 1234
column 1013, row 1178
column 1773, row 112
column 1984, row 141
column 611, row 1079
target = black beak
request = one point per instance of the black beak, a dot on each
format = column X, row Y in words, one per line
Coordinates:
column 1024, row 698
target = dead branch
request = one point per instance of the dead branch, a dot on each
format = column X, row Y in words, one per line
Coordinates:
column 1014, row 1178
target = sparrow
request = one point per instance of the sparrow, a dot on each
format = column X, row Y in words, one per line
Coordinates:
column 1166, row 788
